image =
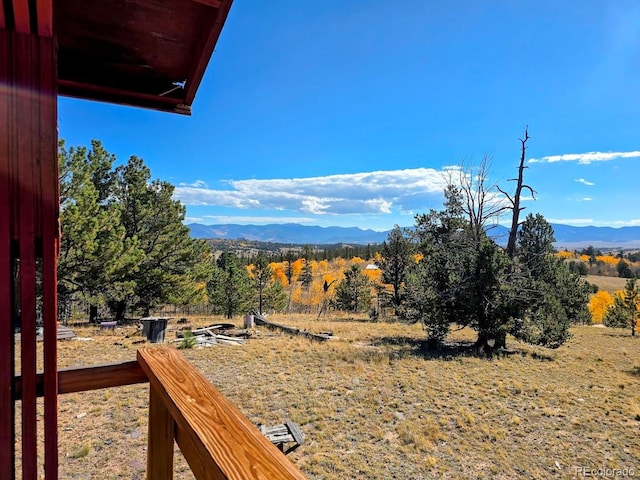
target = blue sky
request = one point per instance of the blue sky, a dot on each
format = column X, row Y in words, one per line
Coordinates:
column 341, row 113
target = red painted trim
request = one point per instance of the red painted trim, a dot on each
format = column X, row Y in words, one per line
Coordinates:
column 7, row 415
column 49, row 209
column 26, row 116
column 45, row 17
column 21, row 16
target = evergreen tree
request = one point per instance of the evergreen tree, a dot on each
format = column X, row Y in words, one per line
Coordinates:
column 95, row 254
column 624, row 312
column 150, row 215
column 458, row 279
column 306, row 276
column 624, row 271
column 229, row 288
column 261, row 274
column 465, row 278
column 551, row 296
column 275, row 297
column 353, row 293
column 395, row 259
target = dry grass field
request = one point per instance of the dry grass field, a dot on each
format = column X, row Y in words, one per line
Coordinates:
column 610, row 284
column 374, row 404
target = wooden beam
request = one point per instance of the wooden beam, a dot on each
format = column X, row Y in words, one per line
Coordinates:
column 45, row 17
column 49, row 233
column 122, row 97
column 211, row 3
column 216, row 439
column 74, row 380
column 21, row 16
column 26, row 116
column 100, row 376
column 7, row 412
column 161, row 435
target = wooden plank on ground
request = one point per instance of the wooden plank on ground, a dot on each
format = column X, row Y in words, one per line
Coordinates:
column 294, row 428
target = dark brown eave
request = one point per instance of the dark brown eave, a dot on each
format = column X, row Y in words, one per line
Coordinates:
column 144, row 53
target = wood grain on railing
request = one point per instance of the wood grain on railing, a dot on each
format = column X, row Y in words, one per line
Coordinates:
column 216, row 439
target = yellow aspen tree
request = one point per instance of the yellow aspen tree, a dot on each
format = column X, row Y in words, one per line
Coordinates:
column 374, row 274
column 607, row 259
column 323, row 266
column 598, row 304
column 279, row 275
column 296, row 267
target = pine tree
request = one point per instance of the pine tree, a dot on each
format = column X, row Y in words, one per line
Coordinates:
column 229, row 288
column 353, row 293
column 394, row 261
column 551, row 297
column 150, row 215
column 261, row 274
column 306, row 276
column 95, row 254
column 624, row 312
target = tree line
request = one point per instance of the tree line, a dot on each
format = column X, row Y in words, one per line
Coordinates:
column 125, row 248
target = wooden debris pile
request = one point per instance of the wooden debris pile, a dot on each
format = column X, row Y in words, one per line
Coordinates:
column 212, row 335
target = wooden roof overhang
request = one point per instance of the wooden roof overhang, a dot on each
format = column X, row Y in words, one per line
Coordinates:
column 144, row 53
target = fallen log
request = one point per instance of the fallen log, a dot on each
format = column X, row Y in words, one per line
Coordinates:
column 260, row 320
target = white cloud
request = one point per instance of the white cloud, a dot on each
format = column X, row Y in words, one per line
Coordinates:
column 620, row 223
column 585, row 158
column 380, row 192
column 576, row 222
column 587, row 199
column 584, row 182
column 196, row 184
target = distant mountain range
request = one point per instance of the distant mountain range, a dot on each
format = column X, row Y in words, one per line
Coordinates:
column 566, row 236
column 289, row 233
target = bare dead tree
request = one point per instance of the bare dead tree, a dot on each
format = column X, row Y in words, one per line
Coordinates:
column 480, row 202
column 515, row 200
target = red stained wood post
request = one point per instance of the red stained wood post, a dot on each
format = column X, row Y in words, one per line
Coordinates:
column 28, row 232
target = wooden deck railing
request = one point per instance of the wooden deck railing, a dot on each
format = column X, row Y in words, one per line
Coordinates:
column 215, row 438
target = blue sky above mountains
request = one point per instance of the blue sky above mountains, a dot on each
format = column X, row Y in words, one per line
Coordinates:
column 352, row 113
